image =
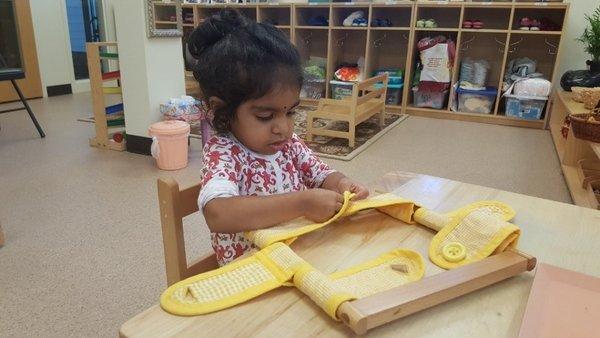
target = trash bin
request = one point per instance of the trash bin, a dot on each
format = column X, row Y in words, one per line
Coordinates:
column 170, row 144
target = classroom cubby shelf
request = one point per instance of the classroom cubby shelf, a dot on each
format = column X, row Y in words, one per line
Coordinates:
column 499, row 41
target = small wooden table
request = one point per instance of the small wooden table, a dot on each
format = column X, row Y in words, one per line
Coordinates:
column 556, row 233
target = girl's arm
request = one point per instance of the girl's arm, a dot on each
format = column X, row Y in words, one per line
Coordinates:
column 245, row 213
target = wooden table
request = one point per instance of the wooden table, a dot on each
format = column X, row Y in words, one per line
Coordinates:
column 560, row 234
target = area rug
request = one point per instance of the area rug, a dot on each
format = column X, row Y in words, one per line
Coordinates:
column 332, row 147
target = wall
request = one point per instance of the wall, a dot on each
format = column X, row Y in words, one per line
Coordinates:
column 151, row 68
column 52, row 42
column 572, row 54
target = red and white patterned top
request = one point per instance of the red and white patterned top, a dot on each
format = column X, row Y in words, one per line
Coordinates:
column 231, row 169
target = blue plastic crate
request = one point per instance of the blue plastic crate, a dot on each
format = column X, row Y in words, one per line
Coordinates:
column 525, row 107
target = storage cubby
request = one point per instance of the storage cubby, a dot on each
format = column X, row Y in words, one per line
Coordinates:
column 399, row 16
column 555, row 16
column 540, row 48
column 311, row 42
column 165, row 14
column 187, row 16
column 276, row 15
column 445, row 17
column 346, row 46
column 483, row 46
column 416, row 58
column 339, row 14
column 387, row 49
column 305, row 13
column 206, row 12
column 317, row 30
column 492, row 18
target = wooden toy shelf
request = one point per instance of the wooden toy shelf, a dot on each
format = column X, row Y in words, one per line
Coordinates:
column 103, row 124
column 580, row 159
column 499, row 41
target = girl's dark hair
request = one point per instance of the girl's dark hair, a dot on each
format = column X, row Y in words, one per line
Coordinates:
column 241, row 60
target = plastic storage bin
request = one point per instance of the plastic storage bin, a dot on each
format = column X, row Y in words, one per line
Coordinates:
column 394, row 76
column 525, row 107
column 476, row 101
column 340, row 89
column 393, row 95
column 313, row 89
column 427, row 99
column 170, row 144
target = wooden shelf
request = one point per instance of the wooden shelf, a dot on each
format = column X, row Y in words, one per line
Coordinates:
column 313, row 27
column 358, row 28
column 483, row 30
column 390, row 28
column 572, row 150
column 518, row 31
column 472, row 117
column 393, row 47
column 578, row 194
column 165, row 22
column 437, row 29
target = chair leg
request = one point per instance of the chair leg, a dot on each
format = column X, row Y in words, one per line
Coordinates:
column 382, row 118
column 37, row 125
column 351, row 134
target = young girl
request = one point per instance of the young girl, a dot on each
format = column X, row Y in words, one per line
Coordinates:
column 257, row 172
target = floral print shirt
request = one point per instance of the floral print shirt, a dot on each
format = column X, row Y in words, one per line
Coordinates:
column 231, row 169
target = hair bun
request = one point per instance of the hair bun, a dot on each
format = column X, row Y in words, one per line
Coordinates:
column 214, row 29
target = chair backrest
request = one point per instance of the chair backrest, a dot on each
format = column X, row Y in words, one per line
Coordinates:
column 175, row 204
column 368, row 90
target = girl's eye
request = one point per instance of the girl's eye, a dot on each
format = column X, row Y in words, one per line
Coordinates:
column 264, row 118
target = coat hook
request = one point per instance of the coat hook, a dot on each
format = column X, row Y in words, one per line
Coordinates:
column 378, row 42
column 465, row 44
column 340, row 42
column 553, row 49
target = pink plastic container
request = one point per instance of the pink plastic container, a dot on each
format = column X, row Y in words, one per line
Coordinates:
column 170, row 144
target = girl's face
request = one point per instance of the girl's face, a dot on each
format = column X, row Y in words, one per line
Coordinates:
column 265, row 125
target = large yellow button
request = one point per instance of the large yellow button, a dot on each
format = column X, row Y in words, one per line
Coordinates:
column 454, row 252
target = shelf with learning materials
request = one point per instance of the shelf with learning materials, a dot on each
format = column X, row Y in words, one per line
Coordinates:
column 580, row 159
column 387, row 38
column 109, row 121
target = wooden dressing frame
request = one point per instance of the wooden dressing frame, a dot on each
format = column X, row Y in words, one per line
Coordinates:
column 362, row 314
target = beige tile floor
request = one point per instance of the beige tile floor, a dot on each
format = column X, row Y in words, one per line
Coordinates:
column 84, row 252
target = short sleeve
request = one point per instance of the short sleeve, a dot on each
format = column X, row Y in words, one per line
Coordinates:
column 220, row 175
column 312, row 170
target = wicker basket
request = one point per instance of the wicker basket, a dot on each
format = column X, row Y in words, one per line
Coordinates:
column 578, row 93
column 586, row 126
column 590, row 97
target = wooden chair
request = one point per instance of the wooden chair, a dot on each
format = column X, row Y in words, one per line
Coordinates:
column 175, row 204
column 365, row 101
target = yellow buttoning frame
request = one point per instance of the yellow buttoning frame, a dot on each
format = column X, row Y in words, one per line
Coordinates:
column 390, row 204
column 328, row 291
column 492, row 211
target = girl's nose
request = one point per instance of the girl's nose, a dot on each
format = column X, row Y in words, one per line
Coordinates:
column 280, row 126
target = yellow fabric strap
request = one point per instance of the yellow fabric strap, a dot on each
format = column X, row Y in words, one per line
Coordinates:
column 390, row 204
column 271, row 267
column 480, row 229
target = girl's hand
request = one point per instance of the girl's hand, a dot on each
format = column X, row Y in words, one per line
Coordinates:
column 346, row 184
column 320, row 205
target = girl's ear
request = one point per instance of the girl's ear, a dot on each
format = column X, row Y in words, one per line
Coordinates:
column 214, row 103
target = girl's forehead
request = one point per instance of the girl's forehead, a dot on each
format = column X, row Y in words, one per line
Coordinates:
column 279, row 98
